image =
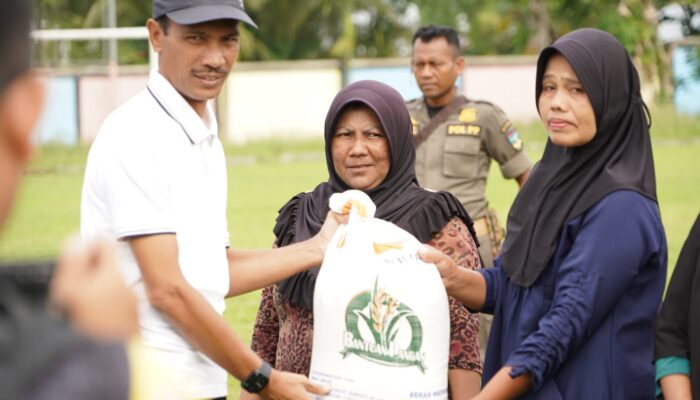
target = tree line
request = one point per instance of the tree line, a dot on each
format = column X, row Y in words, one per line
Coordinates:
column 349, row 29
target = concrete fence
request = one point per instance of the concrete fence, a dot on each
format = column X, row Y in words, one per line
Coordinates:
column 290, row 99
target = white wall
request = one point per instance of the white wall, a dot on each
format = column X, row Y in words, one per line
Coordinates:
column 99, row 95
column 290, row 99
column 507, row 82
column 289, row 103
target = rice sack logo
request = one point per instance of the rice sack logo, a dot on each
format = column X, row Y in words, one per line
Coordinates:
column 375, row 323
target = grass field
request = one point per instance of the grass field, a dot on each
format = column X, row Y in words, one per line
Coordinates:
column 262, row 176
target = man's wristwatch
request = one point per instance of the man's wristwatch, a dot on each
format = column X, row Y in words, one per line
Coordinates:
column 257, row 380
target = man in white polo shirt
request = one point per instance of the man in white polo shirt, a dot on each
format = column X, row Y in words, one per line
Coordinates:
column 156, row 181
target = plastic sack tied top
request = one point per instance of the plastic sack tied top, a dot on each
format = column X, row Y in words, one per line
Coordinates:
column 381, row 315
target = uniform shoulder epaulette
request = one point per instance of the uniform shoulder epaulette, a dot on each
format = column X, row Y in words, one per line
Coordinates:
column 412, row 101
column 488, row 103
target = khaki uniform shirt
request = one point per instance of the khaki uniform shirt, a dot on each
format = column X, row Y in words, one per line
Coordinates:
column 457, row 155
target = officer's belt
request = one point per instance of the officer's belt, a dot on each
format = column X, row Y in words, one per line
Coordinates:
column 481, row 226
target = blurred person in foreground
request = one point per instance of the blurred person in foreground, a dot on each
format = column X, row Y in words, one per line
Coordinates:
column 456, row 138
column 156, row 181
column 369, row 147
column 43, row 356
column 576, row 289
column 677, row 350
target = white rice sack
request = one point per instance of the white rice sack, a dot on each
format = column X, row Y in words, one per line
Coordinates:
column 381, row 316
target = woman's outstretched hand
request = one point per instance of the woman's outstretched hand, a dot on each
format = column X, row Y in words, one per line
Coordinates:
column 446, row 267
column 469, row 287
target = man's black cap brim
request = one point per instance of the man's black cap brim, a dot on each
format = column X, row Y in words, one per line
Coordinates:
column 204, row 13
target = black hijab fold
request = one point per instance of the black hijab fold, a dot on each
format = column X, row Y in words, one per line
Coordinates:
column 567, row 182
column 398, row 198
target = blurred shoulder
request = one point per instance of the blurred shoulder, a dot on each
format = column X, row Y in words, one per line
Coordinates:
column 415, row 104
column 485, row 108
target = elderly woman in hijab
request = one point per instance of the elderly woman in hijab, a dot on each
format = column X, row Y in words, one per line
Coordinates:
column 369, row 146
column 576, row 289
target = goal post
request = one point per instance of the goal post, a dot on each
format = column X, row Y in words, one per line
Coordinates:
column 128, row 33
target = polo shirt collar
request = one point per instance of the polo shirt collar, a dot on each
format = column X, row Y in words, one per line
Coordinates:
column 172, row 102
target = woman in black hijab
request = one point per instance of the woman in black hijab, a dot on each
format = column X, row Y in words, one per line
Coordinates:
column 575, row 291
column 369, row 146
column 677, row 350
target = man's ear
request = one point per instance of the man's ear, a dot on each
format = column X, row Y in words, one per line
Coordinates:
column 20, row 108
column 155, row 34
column 460, row 64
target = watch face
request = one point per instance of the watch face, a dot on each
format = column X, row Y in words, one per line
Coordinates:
column 257, row 381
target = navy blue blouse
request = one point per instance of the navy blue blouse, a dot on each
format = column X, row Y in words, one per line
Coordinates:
column 584, row 329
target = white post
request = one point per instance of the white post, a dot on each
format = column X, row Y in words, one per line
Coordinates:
column 113, row 50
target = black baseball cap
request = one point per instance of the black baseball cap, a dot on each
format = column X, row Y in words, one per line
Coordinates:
column 189, row 12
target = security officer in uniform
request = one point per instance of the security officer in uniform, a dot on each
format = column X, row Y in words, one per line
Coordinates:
column 456, row 139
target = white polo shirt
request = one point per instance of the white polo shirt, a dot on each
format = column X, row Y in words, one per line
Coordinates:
column 157, row 167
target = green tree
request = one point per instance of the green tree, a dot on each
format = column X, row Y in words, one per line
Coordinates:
column 527, row 26
column 73, row 14
column 634, row 22
column 288, row 30
column 382, row 28
column 324, row 29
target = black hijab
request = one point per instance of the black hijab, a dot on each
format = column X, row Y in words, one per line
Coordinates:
column 567, row 182
column 398, row 198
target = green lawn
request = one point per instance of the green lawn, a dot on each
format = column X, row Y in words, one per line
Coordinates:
column 262, row 176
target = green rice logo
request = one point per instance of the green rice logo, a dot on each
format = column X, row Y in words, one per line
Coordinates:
column 382, row 314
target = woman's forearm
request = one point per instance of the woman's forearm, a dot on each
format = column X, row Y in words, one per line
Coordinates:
column 676, row 387
column 464, row 384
